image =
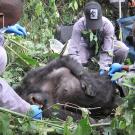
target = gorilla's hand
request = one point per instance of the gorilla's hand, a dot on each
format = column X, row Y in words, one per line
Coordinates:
column 85, row 81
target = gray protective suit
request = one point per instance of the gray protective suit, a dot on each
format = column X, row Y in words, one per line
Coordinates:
column 78, row 47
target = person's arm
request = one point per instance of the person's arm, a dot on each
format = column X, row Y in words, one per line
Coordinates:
column 77, row 47
column 127, row 67
column 106, row 54
column 116, row 67
column 9, row 99
column 73, row 44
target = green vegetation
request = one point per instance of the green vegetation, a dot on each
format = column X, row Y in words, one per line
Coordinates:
column 40, row 18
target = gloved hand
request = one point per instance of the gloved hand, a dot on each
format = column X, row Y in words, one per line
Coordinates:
column 115, row 67
column 17, row 29
column 101, row 72
column 36, row 112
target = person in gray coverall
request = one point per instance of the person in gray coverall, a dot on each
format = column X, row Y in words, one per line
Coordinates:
column 94, row 35
column 10, row 11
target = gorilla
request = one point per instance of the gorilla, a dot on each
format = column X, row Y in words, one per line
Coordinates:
column 64, row 81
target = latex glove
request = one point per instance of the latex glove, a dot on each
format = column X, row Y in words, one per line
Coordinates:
column 101, row 72
column 17, row 29
column 36, row 112
column 115, row 67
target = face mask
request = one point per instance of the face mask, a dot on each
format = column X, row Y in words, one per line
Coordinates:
column 3, row 59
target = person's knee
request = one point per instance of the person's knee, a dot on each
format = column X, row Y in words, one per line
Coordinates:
column 124, row 52
column 121, row 53
column 122, row 49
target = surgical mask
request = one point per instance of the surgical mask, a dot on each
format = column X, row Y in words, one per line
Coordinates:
column 3, row 59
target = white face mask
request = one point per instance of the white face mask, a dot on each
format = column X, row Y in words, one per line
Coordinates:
column 3, row 59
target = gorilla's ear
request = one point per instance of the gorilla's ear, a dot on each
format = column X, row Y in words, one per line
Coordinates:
column 11, row 11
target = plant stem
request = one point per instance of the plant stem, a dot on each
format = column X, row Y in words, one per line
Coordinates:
column 13, row 41
column 18, row 55
column 101, row 124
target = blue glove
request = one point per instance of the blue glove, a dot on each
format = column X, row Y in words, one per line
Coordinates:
column 101, row 72
column 17, row 29
column 115, row 67
column 36, row 112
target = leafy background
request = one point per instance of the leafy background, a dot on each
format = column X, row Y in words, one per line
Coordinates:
column 41, row 18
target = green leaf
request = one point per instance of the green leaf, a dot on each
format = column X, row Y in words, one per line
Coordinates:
column 75, row 5
column 110, row 53
column 122, row 124
column 118, row 75
column 29, row 60
column 56, row 107
column 39, row 8
column 91, row 36
column 97, row 48
column 128, row 117
column 85, row 112
column 4, row 124
column 67, row 128
column 83, row 128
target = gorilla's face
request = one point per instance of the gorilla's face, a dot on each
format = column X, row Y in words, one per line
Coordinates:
column 37, row 98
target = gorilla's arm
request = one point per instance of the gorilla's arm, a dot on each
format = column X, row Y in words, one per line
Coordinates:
column 76, row 68
column 65, row 61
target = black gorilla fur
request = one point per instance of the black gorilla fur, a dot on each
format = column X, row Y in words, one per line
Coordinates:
column 65, row 81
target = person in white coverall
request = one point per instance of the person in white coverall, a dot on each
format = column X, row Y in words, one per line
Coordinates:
column 10, row 12
column 94, row 35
